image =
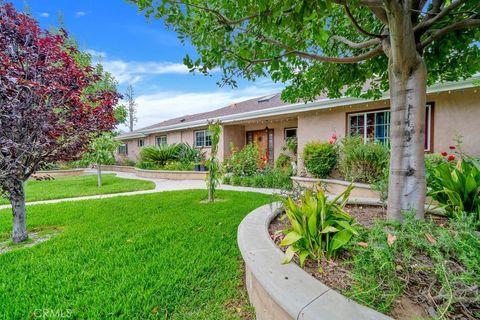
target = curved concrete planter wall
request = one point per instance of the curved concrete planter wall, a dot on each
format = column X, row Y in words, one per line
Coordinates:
column 173, row 175
column 284, row 291
column 60, row 173
column 360, row 190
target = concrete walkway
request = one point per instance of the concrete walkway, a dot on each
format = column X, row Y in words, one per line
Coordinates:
column 160, row 186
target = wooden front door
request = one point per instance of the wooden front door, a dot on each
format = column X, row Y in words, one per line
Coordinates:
column 264, row 140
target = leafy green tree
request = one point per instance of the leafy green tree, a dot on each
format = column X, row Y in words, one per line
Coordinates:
column 213, row 177
column 337, row 47
column 101, row 152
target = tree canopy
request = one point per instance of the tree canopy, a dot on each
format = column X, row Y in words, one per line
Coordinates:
column 320, row 46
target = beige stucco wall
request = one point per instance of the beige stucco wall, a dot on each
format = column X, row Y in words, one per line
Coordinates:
column 278, row 127
column 231, row 134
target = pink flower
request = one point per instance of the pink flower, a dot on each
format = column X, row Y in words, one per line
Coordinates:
column 452, row 147
column 444, row 153
column 331, row 141
column 451, row 157
column 334, row 136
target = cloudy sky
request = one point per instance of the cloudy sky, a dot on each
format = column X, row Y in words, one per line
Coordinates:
column 142, row 53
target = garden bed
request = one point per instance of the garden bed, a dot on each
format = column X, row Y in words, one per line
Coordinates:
column 60, row 173
column 159, row 174
column 418, row 293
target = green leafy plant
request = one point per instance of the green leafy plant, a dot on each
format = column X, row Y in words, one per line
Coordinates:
column 319, row 227
column 284, row 163
column 362, row 162
column 101, row 152
column 320, row 158
column 158, row 155
column 457, row 187
column 214, row 168
column 244, row 162
column 179, row 166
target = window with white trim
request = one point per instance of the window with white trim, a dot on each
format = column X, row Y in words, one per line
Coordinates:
column 375, row 125
column 290, row 133
column 161, row 140
column 202, row 138
column 140, row 143
column 123, row 149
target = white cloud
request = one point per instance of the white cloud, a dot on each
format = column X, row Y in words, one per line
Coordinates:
column 154, row 108
column 97, row 55
column 44, row 14
column 80, row 13
column 132, row 71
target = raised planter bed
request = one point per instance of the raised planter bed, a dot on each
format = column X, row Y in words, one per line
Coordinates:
column 360, row 190
column 173, row 175
column 284, row 291
column 119, row 168
column 60, row 173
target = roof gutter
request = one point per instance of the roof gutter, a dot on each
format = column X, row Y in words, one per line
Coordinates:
column 292, row 108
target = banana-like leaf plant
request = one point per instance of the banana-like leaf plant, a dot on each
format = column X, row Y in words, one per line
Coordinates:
column 319, row 226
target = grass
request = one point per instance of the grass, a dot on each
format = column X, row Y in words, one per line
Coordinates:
column 71, row 187
column 155, row 256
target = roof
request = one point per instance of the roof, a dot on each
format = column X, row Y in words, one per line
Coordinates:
column 270, row 105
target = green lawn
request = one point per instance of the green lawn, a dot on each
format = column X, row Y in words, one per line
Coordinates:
column 70, row 187
column 162, row 256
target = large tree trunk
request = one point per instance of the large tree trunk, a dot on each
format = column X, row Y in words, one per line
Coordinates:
column 99, row 175
column 407, row 77
column 17, row 200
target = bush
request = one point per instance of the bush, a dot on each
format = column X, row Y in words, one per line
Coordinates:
column 319, row 227
column 236, row 181
column 320, row 158
column 245, row 162
column 159, row 156
column 148, row 166
column 179, row 166
column 284, row 163
column 265, row 179
column 128, row 162
column 362, row 162
column 227, row 180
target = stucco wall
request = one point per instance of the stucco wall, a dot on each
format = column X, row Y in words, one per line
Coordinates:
column 231, row 134
column 278, row 127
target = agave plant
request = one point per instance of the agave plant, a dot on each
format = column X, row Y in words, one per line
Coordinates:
column 319, row 226
column 457, row 187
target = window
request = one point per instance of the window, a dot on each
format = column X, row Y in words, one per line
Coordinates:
column 290, row 133
column 140, row 143
column 161, row 140
column 375, row 125
column 123, row 149
column 202, row 139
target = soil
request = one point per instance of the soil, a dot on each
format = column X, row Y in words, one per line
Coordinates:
column 35, row 237
column 335, row 274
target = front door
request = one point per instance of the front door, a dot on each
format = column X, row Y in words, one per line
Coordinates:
column 264, row 141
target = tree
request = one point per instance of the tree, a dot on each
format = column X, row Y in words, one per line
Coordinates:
column 213, row 177
column 101, row 152
column 50, row 105
column 337, row 47
column 131, row 107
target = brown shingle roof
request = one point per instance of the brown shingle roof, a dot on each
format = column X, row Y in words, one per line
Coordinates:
column 264, row 102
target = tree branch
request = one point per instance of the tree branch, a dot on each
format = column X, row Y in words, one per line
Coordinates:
column 377, row 8
column 431, row 17
column 464, row 24
column 356, row 45
column 357, row 25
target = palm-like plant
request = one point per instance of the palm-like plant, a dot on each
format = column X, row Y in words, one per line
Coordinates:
column 319, row 226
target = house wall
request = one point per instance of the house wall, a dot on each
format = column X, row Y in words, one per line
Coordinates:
column 278, row 127
column 454, row 113
column 231, row 134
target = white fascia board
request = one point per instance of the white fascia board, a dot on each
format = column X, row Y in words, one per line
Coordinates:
column 295, row 108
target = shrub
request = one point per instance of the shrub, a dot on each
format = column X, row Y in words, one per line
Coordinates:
column 320, row 158
column 179, row 166
column 319, row 227
column 128, row 162
column 259, row 181
column 236, row 181
column 245, row 162
column 362, row 162
column 227, row 180
column 457, row 187
column 284, row 163
column 158, row 156
column 148, row 166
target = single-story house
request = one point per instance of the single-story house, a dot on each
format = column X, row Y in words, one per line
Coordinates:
column 453, row 109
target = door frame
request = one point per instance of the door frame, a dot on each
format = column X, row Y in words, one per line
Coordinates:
column 270, row 146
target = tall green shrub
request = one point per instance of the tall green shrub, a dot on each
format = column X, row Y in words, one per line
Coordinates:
column 245, row 162
column 320, row 158
column 362, row 162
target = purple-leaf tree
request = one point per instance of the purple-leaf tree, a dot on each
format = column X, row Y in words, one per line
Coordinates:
column 49, row 107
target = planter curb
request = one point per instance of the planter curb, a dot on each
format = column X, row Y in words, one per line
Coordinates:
column 285, row 291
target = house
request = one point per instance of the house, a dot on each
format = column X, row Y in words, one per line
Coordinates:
column 453, row 109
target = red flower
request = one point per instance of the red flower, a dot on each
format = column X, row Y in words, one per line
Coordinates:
column 444, row 153
column 452, row 147
column 334, row 136
column 331, row 141
column 451, row 157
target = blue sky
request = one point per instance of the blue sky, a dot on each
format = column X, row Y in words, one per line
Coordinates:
column 144, row 53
